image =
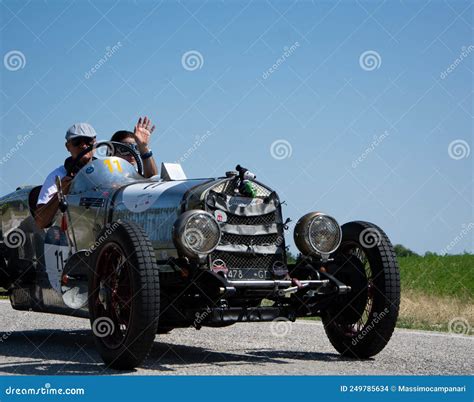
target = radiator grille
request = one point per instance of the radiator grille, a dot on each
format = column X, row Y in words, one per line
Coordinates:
column 250, row 264
column 266, row 219
column 260, row 240
column 239, row 260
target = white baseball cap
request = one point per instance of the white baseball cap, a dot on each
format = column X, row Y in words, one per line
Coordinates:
column 80, row 130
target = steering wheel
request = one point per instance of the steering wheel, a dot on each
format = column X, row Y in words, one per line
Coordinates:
column 112, row 146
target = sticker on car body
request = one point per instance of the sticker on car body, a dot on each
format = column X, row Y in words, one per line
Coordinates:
column 56, row 252
column 220, row 216
column 141, row 196
column 243, row 201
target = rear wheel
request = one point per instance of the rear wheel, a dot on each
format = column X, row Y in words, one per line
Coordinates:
column 360, row 323
column 124, row 296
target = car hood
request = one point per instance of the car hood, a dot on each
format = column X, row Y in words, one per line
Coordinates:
column 155, row 205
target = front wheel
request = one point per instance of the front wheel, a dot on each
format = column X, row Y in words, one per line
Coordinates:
column 124, row 295
column 360, row 323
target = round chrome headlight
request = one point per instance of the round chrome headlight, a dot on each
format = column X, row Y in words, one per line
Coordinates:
column 317, row 233
column 196, row 233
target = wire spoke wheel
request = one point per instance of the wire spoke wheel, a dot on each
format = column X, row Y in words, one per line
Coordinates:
column 124, row 296
column 114, row 296
column 366, row 292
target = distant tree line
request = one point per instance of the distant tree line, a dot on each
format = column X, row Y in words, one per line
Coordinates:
column 402, row 251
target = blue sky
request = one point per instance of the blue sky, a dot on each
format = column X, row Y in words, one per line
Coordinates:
column 388, row 142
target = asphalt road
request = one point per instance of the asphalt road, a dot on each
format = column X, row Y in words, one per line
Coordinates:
column 34, row 343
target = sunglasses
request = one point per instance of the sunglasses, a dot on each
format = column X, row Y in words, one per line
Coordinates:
column 82, row 140
column 124, row 152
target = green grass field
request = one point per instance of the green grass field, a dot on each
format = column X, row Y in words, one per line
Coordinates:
column 437, row 293
column 448, row 276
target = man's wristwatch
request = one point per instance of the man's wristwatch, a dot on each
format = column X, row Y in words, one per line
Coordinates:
column 146, row 155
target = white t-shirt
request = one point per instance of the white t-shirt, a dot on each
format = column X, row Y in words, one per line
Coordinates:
column 49, row 186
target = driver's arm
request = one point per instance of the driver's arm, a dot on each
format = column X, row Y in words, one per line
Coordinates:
column 45, row 213
column 149, row 164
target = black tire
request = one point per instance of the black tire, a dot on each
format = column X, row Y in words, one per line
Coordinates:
column 361, row 323
column 5, row 278
column 164, row 330
column 124, row 295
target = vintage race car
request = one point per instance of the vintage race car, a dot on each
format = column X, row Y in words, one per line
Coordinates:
column 139, row 257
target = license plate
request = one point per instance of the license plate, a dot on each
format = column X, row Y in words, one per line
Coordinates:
column 236, row 274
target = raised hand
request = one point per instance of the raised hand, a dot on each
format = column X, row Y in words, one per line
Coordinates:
column 142, row 133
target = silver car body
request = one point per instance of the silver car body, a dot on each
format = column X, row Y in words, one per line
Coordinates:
column 107, row 190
